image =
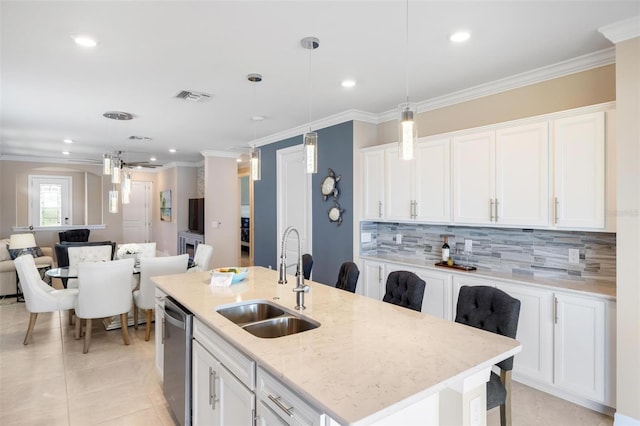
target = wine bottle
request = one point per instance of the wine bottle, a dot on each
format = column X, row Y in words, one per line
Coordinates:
column 445, row 250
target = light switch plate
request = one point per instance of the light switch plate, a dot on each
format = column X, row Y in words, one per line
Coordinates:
column 574, row 256
column 365, row 237
column 398, row 238
column 468, row 246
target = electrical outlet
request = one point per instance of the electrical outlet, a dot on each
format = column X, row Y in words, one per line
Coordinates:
column 398, row 238
column 574, row 256
column 468, row 246
column 365, row 237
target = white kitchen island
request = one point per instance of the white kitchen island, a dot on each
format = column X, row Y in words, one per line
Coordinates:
column 369, row 362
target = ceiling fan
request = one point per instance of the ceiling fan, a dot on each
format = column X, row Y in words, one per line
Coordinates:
column 117, row 156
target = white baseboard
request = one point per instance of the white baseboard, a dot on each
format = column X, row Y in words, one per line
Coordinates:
column 622, row 420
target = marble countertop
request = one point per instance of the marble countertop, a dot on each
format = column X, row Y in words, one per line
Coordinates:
column 368, row 359
column 584, row 286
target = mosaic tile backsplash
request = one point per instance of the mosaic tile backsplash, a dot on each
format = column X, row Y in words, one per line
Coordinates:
column 532, row 252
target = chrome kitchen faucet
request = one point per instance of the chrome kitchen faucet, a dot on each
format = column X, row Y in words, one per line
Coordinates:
column 300, row 289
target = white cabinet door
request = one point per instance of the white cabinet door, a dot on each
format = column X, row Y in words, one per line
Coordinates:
column 535, row 333
column 579, row 171
column 398, row 193
column 237, row 403
column 579, row 343
column 522, row 176
column 374, row 279
column 474, row 178
column 373, row 184
column 203, row 399
column 437, row 293
column 159, row 331
column 432, row 183
column 266, row 416
column 218, row 397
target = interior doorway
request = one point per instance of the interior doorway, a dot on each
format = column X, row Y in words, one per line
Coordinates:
column 245, row 187
column 136, row 216
column 293, row 196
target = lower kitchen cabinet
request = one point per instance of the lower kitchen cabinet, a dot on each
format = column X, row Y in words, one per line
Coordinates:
column 159, row 331
column 437, row 293
column 535, row 333
column 218, row 397
column 580, row 346
column 375, row 279
column 278, row 405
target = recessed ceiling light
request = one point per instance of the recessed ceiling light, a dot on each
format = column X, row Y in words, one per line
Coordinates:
column 67, row 141
column 65, row 153
column 348, row 83
column 152, row 159
column 138, row 167
column 239, row 160
column 172, row 150
column 257, row 118
column 84, row 41
column 460, row 36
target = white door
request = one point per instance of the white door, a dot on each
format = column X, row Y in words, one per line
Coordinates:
column 437, row 294
column 294, row 202
column 136, row 216
column 433, row 181
column 237, row 404
column 373, row 184
column 398, row 194
column 374, row 279
column 203, row 398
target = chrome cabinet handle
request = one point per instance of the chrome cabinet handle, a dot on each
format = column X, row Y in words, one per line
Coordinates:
column 379, row 208
column 163, row 325
column 211, row 390
column 555, row 210
column 496, row 210
column 276, row 400
column 379, row 273
column 555, row 310
column 214, row 397
column 490, row 209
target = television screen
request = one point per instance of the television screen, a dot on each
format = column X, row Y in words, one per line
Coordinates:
column 196, row 215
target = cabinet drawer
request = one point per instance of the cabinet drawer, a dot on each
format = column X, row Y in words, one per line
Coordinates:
column 235, row 361
column 285, row 403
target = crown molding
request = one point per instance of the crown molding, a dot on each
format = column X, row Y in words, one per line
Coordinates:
column 224, row 154
column 49, row 160
column 622, row 30
column 561, row 69
column 332, row 120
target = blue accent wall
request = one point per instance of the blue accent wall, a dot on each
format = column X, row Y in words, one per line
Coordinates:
column 332, row 244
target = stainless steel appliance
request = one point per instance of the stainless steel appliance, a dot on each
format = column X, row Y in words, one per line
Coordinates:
column 177, row 334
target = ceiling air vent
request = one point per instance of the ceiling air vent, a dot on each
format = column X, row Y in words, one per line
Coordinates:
column 194, row 96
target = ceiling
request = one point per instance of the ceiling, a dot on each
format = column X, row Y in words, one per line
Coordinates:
column 148, row 51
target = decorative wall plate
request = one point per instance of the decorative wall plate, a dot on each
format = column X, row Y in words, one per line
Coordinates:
column 329, row 186
column 335, row 213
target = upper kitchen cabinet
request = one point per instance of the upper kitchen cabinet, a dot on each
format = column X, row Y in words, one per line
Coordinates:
column 373, row 183
column 501, row 177
column 579, row 171
column 400, row 190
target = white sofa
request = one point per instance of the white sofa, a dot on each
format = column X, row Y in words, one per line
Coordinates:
column 8, row 268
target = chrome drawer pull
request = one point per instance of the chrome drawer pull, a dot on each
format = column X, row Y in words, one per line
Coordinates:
column 276, row 400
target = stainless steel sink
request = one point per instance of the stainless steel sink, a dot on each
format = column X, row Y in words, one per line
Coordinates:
column 263, row 319
column 278, row 327
column 250, row 312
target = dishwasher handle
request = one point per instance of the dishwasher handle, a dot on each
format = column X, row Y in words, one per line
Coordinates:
column 174, row 320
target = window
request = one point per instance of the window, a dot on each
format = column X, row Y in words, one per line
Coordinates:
column 49, row 200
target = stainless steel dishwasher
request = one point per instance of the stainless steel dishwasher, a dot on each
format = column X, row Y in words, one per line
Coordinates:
column 177, row 335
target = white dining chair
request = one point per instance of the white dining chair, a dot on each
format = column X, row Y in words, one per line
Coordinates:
column 144, row 298
column 38, row 296
column 202, row 258
column 83, row 254
column 104, row 290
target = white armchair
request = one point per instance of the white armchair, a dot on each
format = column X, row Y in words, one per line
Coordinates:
column 202, row 258
column 38, row 296
column 81, row 254
column 144, row 298
column 104, row 290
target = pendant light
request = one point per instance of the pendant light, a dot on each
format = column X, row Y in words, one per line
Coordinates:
column 113, row 200
column 408, row 131
column 106, row 164
column 126, row 188
column 255, row 163
column 310, row 139
column 115, row 172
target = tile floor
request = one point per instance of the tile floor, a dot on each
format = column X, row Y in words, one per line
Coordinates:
column 51, row 382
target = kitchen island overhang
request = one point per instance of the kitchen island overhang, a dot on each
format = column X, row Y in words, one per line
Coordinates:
column 368, row 362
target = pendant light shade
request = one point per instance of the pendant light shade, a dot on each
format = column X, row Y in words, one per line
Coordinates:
column 126, row 188
column 113, row 201
column 408, row 131
column 115, row 172
column 310, row 139
column 106, row 164
column 310, row 152
column 254, row 164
